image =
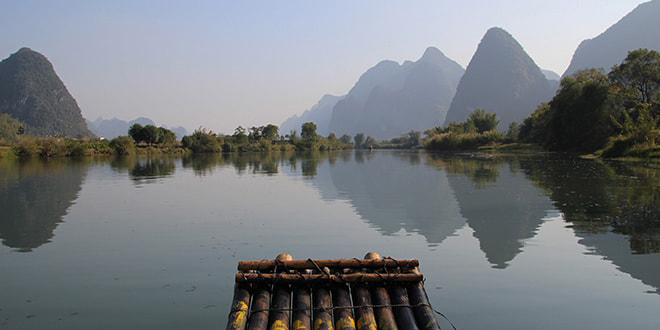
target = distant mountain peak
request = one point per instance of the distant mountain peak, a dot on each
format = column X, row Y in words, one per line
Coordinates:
column 392, row 99
column 637, row 29
column 501, row 78
column 31, row 91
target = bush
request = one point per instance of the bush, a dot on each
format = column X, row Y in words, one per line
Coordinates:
column 123, row 145
column 52, row 147
column 202, row 141
column 26, row 147
column 463, row 141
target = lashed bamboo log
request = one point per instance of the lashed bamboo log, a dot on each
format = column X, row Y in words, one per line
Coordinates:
column 281, row 304
column 239, row 307
column 337, row 278
column 259, row 311
column 363, row 313
column 280, row 314
column 268, row 265
column 423, row 312
column 384, row 314
column 302, row 315
column 402, row 310
column 343, row 313
column 322, row 309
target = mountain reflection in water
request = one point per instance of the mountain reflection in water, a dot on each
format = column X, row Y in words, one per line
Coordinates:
column 34, row 196
column 613, row 208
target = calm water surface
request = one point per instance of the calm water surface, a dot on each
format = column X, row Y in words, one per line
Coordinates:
column 525, row 242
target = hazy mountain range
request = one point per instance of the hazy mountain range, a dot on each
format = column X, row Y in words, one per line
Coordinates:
column 388, row 100
column 391, row 99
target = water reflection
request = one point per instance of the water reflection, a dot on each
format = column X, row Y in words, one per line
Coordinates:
column 613, row 207
column 151, row 170
column 392, row 193
column 34, row 197
column 502, row 207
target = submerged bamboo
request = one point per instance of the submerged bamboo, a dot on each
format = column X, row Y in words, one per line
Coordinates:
column 239, row 307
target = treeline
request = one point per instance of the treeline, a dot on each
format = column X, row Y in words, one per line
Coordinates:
column 609, row 115
column 613, row 115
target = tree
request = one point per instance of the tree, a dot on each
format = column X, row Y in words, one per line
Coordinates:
column 255, row 133
column 270, row 132
column 166, row 136
column 639, row 75
column 136, row 132
column 239, row 135
column 513, row 131
column 346, row 139
column 308, row 131
column 359, row 140
column 482, row 121
column 152, row 134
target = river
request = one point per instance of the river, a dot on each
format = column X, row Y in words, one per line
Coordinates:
column 538, row 241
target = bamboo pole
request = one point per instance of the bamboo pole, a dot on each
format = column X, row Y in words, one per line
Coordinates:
column 363, row 313
column 421, row 307
column 268, row 265
column 239, row 307
column 322, row 309
column 384, row 314
column 280, row 315
column 337, row 278
column 259, row 311
column 403, row 313
column 343, row 313
column 302, row 304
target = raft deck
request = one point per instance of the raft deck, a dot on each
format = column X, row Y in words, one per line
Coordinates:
column 371, row 293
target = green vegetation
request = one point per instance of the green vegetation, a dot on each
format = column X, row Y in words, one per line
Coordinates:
column 613, row 115
column 476, row 132
column 260, row 139
column 152, row 135
column 10, row 129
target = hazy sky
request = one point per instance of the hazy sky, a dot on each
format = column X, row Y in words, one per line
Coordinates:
column 221, row 64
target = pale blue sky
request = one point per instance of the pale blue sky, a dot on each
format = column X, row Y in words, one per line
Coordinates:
column 221, row 64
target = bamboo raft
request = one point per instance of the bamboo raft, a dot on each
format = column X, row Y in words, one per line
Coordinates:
column 366, row 294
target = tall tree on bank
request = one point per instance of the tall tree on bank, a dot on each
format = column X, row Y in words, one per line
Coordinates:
column 591, row 109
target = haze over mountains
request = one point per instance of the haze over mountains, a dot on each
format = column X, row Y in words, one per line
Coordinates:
column 389, row 100
column 638, row 29
column 318, row 114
